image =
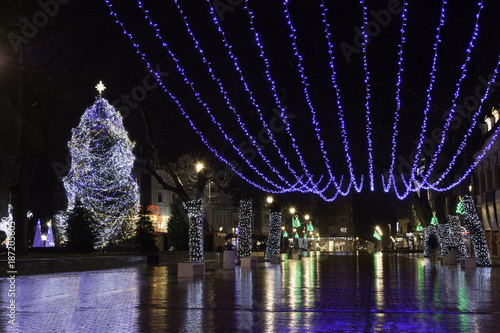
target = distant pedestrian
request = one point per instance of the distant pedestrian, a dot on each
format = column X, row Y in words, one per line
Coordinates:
column 433, row 245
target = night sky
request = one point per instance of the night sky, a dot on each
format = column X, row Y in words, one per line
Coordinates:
column 81, row 44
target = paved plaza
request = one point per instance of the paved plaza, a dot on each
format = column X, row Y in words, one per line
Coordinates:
column 330, row 293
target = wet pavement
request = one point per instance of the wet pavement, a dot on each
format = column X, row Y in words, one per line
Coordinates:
column 344, row 293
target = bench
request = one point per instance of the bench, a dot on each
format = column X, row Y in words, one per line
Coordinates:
column 190, row 268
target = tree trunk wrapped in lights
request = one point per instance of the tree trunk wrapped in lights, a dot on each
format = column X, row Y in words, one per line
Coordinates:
column 195, row 218
column 273, row 243
column 100, row 175
column 475, row 229
column 443, row 234
column 456, row 239
column 245, row 230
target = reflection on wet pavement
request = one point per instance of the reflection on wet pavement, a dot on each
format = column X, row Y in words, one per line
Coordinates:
column 353, row 293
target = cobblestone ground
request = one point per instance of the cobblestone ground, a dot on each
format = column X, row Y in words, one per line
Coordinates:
column 345, row 293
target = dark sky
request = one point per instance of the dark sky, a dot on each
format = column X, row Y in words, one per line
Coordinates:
column 81, row 44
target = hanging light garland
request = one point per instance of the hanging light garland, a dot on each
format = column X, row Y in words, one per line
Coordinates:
column 328, row 186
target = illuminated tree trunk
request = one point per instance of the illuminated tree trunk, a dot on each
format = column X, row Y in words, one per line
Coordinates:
column 195, row 220
column 273, row 242
column 475, row 228
column 245, row 230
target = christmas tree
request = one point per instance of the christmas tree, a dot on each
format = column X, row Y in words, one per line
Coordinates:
column 310, row 227
column 296, row 222
column 37, row 242
column 50, row 236
column 82, row 229
column 100, row 174
column 144, row 233
column 460, row 207
column 434, row 219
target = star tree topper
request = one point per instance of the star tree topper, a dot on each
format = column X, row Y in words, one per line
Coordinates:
column 100, row 87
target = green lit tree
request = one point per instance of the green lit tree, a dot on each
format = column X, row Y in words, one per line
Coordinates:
column 144, row 233
column 178, row 230
column 82, row 229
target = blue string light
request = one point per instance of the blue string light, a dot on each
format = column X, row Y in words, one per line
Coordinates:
column 197, row 95
column 275, row 94
column 339, row 104
column 367, row 104
column 184, row 113
column 324, row 185
column 464, row 143
column 429, row 92
column 305, row 85
column 391, row 178
column 457, row 93
column 224, row 93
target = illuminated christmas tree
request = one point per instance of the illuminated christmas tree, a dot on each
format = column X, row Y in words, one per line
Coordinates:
column 273, row 243
column 460, row 207
column 434, row 219
column 37, row 241
column 475, row 228
column 296, row 222
column 50, row 236
column 310, row 227
column 100, row 174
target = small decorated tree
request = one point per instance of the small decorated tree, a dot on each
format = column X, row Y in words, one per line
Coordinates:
column 144, row 233
column 37, row 241
column 82, row 230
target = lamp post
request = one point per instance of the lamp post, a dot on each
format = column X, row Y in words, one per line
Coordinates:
column 283, row 239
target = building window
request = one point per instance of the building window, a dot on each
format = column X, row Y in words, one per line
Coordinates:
column 343, row 229
column 343, row 219
column 160, row 197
